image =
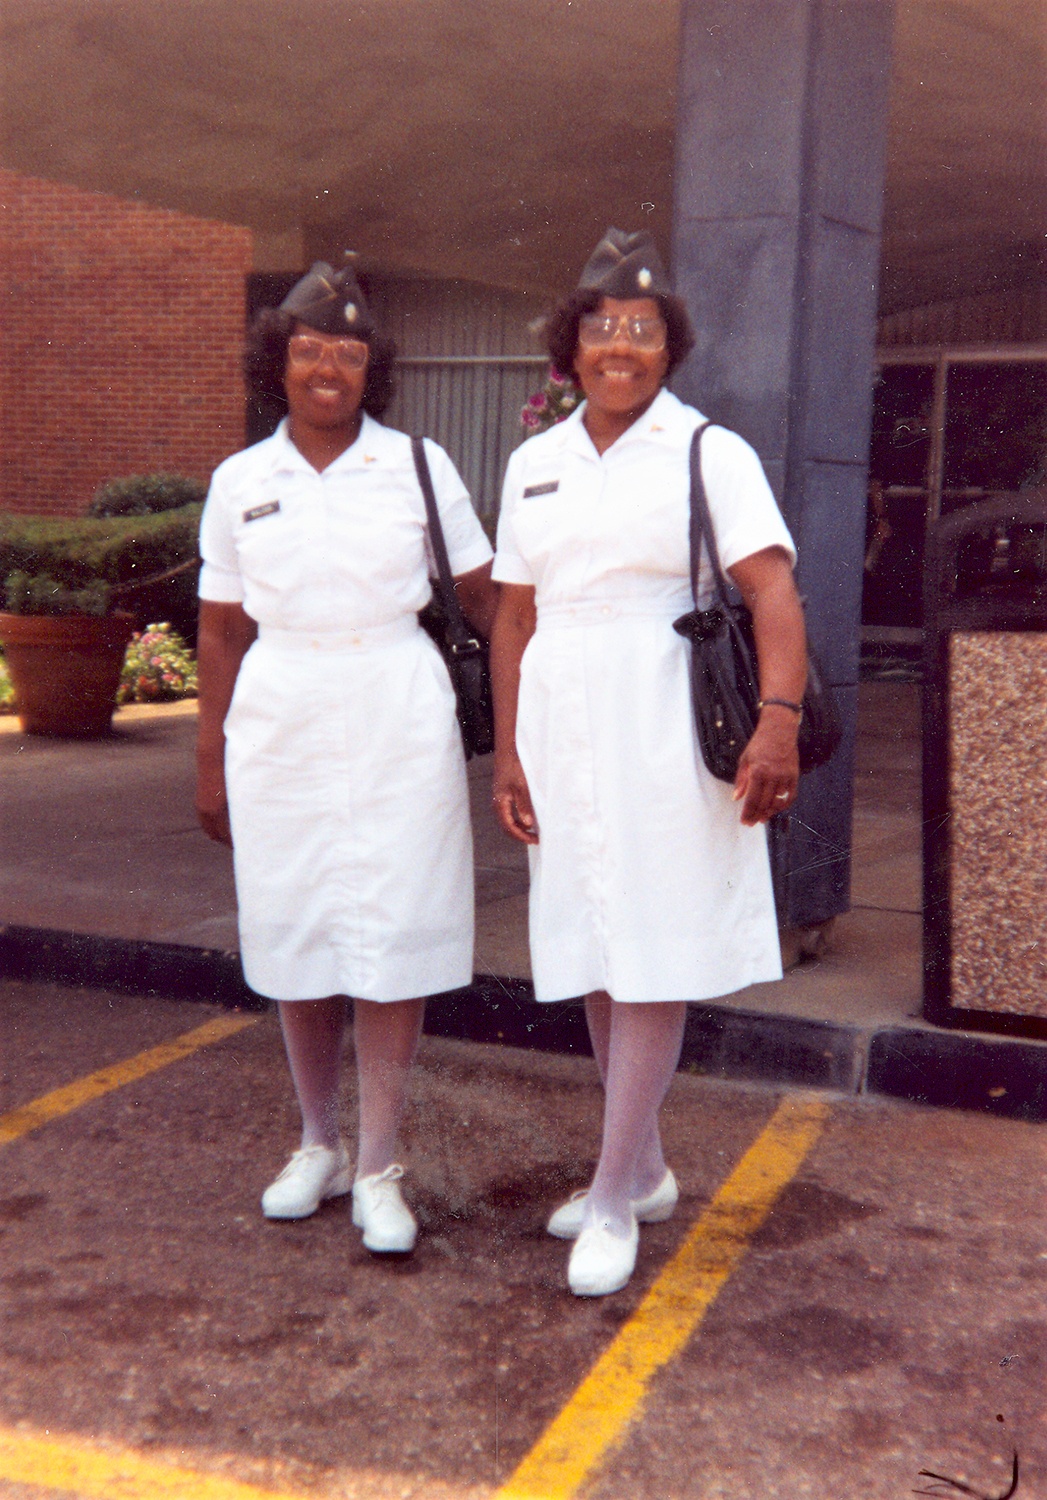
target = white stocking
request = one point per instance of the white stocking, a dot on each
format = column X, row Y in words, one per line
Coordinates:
column 643, row 1051
column 313, row 1039
column 386, row 1039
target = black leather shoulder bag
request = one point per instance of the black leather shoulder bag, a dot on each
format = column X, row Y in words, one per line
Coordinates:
column 725, row 681
column 465, row 653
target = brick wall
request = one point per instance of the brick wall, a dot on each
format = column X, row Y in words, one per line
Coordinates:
column 121, row 331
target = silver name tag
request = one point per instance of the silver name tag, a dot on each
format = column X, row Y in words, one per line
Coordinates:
column 541, row 489
column 262, row 510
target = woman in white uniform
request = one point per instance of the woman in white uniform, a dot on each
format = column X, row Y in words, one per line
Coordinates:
column 650, row 883
column 329, row 753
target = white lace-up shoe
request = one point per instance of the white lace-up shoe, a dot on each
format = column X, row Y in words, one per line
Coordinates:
column 566, row 1222
column 602, row 1262
column 388, row 1224
column 312, row 1174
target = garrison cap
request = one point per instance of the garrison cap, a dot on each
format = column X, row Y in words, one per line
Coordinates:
column 625, row 265
column 329, row 301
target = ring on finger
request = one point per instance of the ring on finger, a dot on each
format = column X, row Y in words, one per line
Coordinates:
column 782, row 797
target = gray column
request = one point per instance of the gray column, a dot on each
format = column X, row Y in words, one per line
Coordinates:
column 781, row 125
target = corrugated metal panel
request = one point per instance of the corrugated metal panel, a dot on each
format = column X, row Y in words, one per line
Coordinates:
column 1015, row 316
column 454, row 317
column 468, row 362
column 472, row 410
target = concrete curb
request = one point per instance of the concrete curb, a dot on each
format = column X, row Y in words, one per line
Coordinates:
column 919, row 1063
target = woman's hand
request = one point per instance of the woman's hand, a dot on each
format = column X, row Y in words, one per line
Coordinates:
column 212, row 805
column 514, row 626
column 224, row 637
column 512, row 800
column 769, row 768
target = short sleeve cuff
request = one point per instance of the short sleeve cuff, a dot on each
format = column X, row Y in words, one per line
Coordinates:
column 220, row 585
column 509, row 569
column 465, row 559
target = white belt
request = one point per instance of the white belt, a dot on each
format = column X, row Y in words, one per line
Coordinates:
column 593, row 612
column 271, row 636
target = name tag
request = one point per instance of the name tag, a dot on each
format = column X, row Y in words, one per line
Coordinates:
column 262, row 510
column 541, row 489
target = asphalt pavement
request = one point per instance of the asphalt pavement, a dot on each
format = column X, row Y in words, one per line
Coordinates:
column 852, row 1290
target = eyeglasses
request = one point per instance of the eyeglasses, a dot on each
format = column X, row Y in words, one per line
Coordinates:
column 348, row 354
column 597, row 330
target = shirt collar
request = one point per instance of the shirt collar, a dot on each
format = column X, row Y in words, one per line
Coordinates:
column 363, row 453
column 666, row 420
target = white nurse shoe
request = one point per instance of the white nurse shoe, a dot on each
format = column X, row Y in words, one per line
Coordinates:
column 312, row 1174
column 602, row 1262
column 388, row 1224
column 566, row 1222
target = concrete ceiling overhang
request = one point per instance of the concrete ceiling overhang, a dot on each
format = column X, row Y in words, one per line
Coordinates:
column 495, row 140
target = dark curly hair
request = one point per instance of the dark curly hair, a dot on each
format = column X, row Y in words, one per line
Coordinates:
column 561, row 328
column 265, row 360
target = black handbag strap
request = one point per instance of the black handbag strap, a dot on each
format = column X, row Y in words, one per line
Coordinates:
column 457, row 629
column 701, row 525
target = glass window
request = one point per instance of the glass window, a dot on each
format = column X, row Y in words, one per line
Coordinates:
column 995, row 430
column 903, row 400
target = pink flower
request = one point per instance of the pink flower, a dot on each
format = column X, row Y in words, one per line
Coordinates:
column 539, row 401
column 530, row 418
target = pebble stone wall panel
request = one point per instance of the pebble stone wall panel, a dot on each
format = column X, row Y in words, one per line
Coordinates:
column 998, row 847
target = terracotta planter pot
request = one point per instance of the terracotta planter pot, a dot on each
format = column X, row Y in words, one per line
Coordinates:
column 65, row 670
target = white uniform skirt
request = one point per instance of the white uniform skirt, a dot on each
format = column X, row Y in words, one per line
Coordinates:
column 644, row 882
column 350, row 816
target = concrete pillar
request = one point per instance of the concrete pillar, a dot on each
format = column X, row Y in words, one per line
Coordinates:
column 781, row 125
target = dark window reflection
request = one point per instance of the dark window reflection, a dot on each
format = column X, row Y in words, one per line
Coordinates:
column 995, row 430
column 1002, row 558
column 894, row 542
column 903, row 397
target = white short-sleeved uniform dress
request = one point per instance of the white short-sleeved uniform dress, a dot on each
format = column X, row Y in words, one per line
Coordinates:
column 644, row 882
column 344, row 765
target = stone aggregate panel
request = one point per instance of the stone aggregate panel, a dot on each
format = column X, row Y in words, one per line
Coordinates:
column 998, row 821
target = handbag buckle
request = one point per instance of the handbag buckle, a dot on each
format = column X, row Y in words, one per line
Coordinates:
column 461, row 650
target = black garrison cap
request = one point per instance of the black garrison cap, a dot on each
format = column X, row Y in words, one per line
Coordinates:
column 625, row 265
column 329, row 301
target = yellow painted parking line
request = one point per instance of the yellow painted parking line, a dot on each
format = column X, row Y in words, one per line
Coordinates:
column 63, row 1101
column 610, row 1397
column 88, row 1469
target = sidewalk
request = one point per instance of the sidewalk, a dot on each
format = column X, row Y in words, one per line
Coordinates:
column 105, row 879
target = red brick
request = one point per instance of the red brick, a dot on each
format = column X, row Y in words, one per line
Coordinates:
column 121, row 328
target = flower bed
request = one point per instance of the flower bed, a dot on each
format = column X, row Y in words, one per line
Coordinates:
column 158, row 667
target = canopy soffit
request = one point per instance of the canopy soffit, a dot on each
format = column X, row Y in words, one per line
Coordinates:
column 495, row 141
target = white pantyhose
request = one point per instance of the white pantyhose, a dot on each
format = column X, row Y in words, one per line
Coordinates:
column 386, row 1039
column 313, row 1031
column 637, row 1049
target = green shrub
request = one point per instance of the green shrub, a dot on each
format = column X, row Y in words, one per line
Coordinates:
column 63, row 566
column 158, row 667
column 146, row 495
column 7, row 692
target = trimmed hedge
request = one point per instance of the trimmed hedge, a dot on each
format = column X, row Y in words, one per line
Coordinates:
column 63, row 566
column 146, row 495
